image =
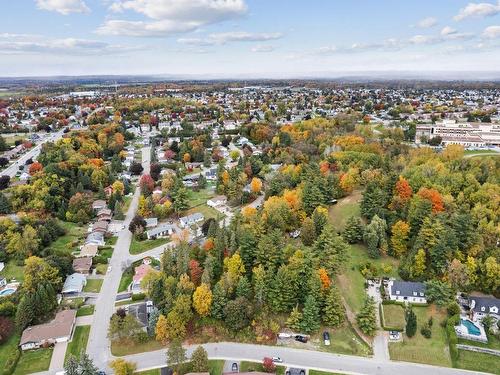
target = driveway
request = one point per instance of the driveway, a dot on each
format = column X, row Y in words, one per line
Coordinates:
column 58, row 354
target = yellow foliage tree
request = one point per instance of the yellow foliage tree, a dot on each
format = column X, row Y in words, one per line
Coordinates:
column 202, row 299
column 256, row 185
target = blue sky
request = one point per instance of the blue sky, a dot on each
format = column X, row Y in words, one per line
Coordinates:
column 254, row 38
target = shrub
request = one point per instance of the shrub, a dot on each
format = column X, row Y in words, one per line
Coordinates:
column 452, row 336
column 268, row 365
column 426, row 331
column 453, row 308
column 6, row 328
column 138, row 296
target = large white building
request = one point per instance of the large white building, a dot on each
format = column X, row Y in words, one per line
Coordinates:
column 465, row 134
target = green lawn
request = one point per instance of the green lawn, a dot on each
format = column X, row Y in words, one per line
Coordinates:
column 197, row 198
column 344, row 209
column 126, row 279
column 8, row 347
column 13, row 271
column 93, row 286
column 85, row 310
column 343, row 340
column 433, row 351
column 208, row 212
column 215, row 366
column 69, row 242
column 111, row 241
column 34, row 361
column 137, row 247
column 394, row 317
column 316, row 372
column 78, row 344
column 352, row 282
column 257, row 366
column 120, row 349
column 493, row 342
column 474, row 152
column 155, row 371
column 478, row 362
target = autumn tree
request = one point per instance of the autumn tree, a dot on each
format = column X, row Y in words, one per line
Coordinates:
column 123, row 367
column 199, row 360
column 147, row 184
column 434, row 197
column 202, row 299
column 256, row 185
column 399, row 239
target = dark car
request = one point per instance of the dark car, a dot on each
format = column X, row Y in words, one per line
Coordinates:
column 234, row 367
column 326, row 338
column 301, row 338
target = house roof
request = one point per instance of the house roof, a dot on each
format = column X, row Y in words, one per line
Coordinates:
column 193, row 217
column 61, row 326
column 88, row 250
column 160, row 229
column 83, row 263
column 74, row 283
column 151, row 221
column 99, row 203
column 218, row 198
column 141, row 271
column 140, row 312
column 407, row 288
column 100, row 226
column 104, row 211
column 477, row 303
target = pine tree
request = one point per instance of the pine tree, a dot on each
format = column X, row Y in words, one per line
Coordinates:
column 87, row 366
column 5, row 206
column 308, row 232
column 310, row 316
column 243, row 288
column 219, row 301
column 411, row 323
column 331, row 250
column 199, row 360
column 353, row 231
column 25, row 312
column 366, row 317
column 333, row 312
column 294, row 320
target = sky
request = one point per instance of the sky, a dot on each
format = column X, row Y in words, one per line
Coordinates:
column 248, row 38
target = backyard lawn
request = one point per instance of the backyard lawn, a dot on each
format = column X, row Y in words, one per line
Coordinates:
column 34, row 361
column 8, row 347
column 352, row 282
column 78, row 344
column 85, row 310
column 137, row 247
column 344, row 209
column 13, row 271
column 478, row 362
column 206, row 211
column 93, row 286
column 433, row 351
column 69, row 242
column 125, row 281
column 197, row 198
column 393, row 317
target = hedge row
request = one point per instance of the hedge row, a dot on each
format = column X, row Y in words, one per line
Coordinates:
column 452, row 336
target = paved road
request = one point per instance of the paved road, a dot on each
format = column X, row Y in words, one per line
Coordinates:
column 301, row 358
column 33, row 153
column 98, row 346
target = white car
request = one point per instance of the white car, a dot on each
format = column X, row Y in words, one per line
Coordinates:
column 277, row 360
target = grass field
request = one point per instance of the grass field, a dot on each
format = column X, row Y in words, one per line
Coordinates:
column 256, row 366
column 208, row 212
column 215, row 366
column 78, row 344
column 13, row 271
column 196, row 198
column 433, row 351
column 394, row 317
column 137, row 247
column 125, row 280
column 34, row 361
column 93, row 286
column 120, row 349
column 478, row 362
column 344, row 209
column 8, row 347
column 343, row 340
column 352, row 282
column 69, row 242
column 85, row 310
column 111, row 241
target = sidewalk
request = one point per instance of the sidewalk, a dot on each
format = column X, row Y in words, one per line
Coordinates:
column 58, row 354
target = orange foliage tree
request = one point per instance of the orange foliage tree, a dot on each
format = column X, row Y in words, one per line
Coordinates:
column 434, row 196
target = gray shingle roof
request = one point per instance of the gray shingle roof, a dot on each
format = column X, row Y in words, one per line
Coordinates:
column 407, row 288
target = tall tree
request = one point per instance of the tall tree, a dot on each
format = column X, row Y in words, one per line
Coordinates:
column 333, row 311
column 310, row 316
column 366, row 319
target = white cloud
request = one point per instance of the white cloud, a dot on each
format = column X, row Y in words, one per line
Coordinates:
column 227, row 37
column 38, row 44
column 423, row 39
column 427, row 22
column 492, row 32
column 447, row 30
column 168, row 17
column 263, row 48
column 63, row 6
column 478, row 10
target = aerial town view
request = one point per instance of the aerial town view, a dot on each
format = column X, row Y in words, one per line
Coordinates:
column 288, row 187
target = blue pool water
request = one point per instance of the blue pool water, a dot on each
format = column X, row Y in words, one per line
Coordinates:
column 471, row 327
column 7, row 292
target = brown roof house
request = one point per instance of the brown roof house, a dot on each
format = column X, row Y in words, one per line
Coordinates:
column 58, row 330
column 104, row 214
column 99, row 204
column 82, row 265
column 89, row 250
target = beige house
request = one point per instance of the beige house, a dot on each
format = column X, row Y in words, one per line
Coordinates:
column 58, row 330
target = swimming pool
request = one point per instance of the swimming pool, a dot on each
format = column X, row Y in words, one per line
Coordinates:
column 471, row 327
column 7, row 292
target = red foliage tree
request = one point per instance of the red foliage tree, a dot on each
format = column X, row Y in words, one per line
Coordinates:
column 403, row 189
column 195, row 271
column 35, row 167
column 434, row 196
column 268, row 365
column 147, row 184
column 6, row 328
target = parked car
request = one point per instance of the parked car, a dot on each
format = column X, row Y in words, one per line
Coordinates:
column 326, row 338
column 234, row 367
column 394, row 335
column 301, row 338
column 277, row 360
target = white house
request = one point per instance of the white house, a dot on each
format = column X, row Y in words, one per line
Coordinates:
column 163, row 230
column 74, row 284
column 407, row 291
column 217, row 201
column 189, row 220
column 58, row 330
column 483, row 306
